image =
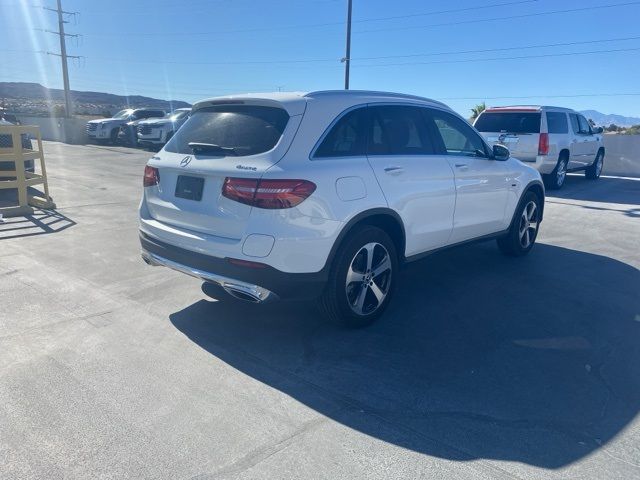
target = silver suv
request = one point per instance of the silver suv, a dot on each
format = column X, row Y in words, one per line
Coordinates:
column 554, row 140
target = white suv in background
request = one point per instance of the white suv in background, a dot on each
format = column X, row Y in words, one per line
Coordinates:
column 554, row 140
column 107, row 129
column 326, row 194
column 158, row 131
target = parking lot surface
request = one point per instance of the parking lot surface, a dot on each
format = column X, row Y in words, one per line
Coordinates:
column 483, row 367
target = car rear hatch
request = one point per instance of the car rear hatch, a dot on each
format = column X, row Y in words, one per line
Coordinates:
column 518, row 129
column 233, row 138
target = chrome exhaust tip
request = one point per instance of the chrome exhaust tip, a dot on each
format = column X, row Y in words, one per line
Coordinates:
column 240, row 295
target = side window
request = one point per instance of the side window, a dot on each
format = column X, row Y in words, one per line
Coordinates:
column 557, row 122
column 398, row 130
column 575, row 125
column 585, row 129
column 347, row 137
column 458, row 138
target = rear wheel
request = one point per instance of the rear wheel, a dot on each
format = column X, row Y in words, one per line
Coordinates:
column 524, row 227
column 362, row 278
column 555, row 180
column 593, row 171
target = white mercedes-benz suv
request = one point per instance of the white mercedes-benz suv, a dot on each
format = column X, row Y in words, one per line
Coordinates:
column 326, row 194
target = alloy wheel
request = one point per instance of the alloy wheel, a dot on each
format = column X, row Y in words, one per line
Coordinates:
column 368, row 278
column 561, row 173
column 528, row 224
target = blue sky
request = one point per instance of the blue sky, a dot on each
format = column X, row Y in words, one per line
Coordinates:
column 189, row 50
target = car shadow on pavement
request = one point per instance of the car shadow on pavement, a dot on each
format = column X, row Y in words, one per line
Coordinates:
column 531, row 360
column 605, row 190
column 41, row 222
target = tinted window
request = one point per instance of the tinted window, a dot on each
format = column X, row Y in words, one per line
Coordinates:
column 574, row 122
column 458, row 137
column 557, row 122
column 398, row 130
column 247, row 129
column 584, row 125
column 347, row 137
column 509, row 122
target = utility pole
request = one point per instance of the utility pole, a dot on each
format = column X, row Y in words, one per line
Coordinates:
column 347, row 58
column 63, row 55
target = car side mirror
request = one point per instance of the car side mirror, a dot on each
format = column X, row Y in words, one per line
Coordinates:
column 598, row 130
column 501, row 153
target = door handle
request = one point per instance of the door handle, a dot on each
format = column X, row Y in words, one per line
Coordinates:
column 462, row 166
column 393, row 170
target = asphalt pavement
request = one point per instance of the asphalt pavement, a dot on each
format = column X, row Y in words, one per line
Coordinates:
column 483, row 367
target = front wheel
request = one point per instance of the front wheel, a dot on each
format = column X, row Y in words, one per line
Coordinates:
column 593, row 171
column 524, row 227
column 362, row 278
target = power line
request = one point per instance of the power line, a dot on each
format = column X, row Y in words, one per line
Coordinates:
column 510, row 17
column 325, row 60
column 500, row 49
column 545, row 96
column 329, row 24
column 470, row 60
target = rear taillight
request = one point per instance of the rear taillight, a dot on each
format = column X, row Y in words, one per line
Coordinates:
column 267, row 193
column 543, row 144
column 151, row 176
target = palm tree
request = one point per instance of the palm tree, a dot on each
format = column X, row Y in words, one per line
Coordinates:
column 477, row 110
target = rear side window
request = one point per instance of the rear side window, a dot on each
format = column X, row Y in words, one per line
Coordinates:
column 557, row 122
column 247, row 129
column 509, row 122
column 398, row 130
column 585, row 128
column 458, row 137
column 347, row 138
column 574, row 123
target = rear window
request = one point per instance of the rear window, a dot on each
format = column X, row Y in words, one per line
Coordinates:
column 509, row 122
column 557, row 122
column 247, row 129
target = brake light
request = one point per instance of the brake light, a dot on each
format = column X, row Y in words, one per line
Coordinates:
column 272, row 194
column 543, row 144
column 151, row 176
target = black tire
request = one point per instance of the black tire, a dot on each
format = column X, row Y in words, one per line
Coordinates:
column 593, row 171
column 555, row 180
column 341, row 300
column 113, row 136
column 513, row 244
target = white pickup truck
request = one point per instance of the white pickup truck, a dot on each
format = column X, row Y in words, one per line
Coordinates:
column 553, row 140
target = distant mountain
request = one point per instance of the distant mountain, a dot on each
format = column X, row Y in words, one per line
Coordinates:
column 22, row 94
column 605, row 120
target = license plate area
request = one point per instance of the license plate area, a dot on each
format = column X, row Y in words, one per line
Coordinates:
column 189, row 188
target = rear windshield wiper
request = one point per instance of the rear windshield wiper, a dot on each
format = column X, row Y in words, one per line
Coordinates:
column 198, row 147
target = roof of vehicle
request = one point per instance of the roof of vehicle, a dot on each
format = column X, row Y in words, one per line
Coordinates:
column 527, row 108
column 291, row 98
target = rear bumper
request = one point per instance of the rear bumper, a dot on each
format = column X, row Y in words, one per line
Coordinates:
column 258, row 284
